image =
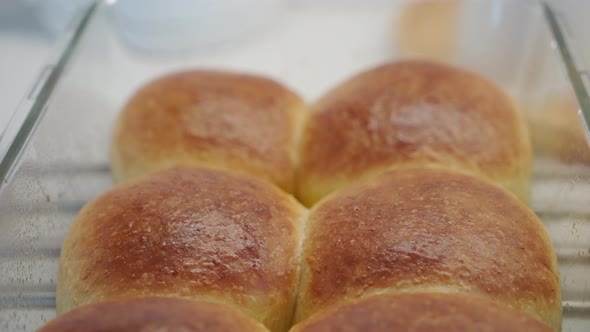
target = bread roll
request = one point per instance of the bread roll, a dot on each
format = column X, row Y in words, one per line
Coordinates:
column 419, row 312
column 215, row 119
column 187, row 232
column 413, row 114
column 557, row 131
column 153, row 314
column 423, row 230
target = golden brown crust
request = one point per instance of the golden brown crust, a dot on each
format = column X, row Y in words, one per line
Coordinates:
column 417, row 312
column 153, row 314
column 217, row 119
column 187, row 232
column 428, row 229
column 413, row 113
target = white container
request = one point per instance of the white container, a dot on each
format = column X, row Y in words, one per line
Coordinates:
column 181, row 25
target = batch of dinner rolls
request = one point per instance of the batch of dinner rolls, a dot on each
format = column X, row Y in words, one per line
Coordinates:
column 396, row 202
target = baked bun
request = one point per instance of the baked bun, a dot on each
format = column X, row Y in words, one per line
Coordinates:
column 215, row 119
column 557, row 131
column 423, row 230
column 409, row 114
column 187, row 232
column 153, row 314
column 418, row 312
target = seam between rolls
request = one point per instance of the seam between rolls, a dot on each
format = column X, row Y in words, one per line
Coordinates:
column 304, row 220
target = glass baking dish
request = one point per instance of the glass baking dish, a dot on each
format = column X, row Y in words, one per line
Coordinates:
column 55, row 150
